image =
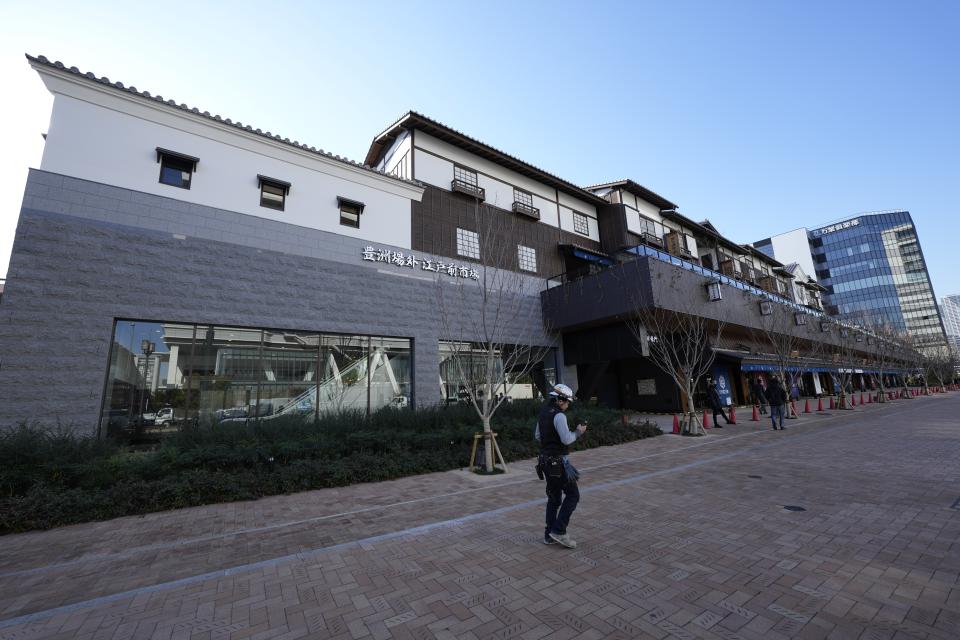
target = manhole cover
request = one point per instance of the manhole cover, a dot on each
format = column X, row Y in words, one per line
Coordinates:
column 791, row 507
column 755, row 477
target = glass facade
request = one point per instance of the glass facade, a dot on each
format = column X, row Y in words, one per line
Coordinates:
column 463, row 365
column 874, row 272
column 162, row 374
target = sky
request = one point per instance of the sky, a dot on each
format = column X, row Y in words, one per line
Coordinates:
column 760, row 116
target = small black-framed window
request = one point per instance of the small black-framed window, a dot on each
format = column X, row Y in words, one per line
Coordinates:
column 273, row 192
column 581, row 224
column 350, row 211
column 176, row 169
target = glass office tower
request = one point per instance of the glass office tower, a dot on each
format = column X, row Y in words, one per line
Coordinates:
column 874, row 272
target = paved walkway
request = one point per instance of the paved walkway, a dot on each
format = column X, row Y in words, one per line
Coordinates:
column 679, row 538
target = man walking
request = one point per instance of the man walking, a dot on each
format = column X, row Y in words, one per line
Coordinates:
column 713, row 400
column 759, row 398
column 777, row 397
column 562, row 493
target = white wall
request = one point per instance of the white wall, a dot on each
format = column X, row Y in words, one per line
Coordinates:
column 111, row 137
column 793, row 246
column 397, row 153
column 434, row 162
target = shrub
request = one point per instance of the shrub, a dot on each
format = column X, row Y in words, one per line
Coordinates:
column 54, row 478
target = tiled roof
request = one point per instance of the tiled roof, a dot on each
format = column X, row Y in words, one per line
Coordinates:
column 638, row 190
column 42, row 60
column 414, row 120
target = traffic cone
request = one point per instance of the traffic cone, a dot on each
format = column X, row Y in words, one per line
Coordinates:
column 869, row 398
column 706, row 419
column 756, row 415
column 676, row 424
column 733, row 414
column 806, row 406
column 832, row 405
column 820, row 403
column 861, row 397
column 853, row 400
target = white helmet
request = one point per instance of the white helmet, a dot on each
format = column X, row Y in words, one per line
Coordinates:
column 562, row 392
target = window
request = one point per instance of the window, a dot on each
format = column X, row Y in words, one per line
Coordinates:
column 527, row 258
column 468, row 244
column 467, row 176
column 176, row 169
column 273, row 192
column 350, row 211
column 581, row 224
column 465, row 181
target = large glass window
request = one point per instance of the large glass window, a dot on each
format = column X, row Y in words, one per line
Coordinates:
column 164, row 375
column 522, row 371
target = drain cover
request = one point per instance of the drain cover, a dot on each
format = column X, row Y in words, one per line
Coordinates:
column 790, row 507
column 755, row 477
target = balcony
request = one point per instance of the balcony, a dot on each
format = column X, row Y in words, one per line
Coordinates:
column 470, row 189
column 525, row 209
column 652, row 239
column 612, row 293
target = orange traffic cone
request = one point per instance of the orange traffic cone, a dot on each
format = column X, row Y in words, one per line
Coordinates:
column 832, row 405
column 706, row 419
column 820, row 404
column 861, row 397
column 806, row 406
column 676, row 424
column 733, row 414
column 756, row 415
column 853, row 400
column 869, row 398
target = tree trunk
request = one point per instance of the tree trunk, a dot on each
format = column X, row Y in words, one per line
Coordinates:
column 487, row 442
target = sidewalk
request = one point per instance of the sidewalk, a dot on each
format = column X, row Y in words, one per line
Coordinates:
column 456, row 555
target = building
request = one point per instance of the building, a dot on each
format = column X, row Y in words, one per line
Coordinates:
column 950, row 311
column 873, row 273
column 166, row 257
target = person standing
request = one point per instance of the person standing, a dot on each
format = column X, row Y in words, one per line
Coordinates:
column 555, row 437
column 713, row 400
column 777, row 397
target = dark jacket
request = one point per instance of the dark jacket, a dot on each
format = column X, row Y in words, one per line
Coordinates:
column 713, row 397
column 550, row 442
column 757, row 390
column 775, row 393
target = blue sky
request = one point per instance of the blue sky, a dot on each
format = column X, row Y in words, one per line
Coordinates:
column 761, row 116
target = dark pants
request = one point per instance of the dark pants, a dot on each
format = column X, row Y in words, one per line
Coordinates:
column 776, row 411
column 719, row 410
column 562, row 498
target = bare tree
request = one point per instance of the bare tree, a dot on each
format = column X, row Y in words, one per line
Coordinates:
column 940, row 364
column 679, row 343
column 490, row 316
column 885, row 346
column 776, row 333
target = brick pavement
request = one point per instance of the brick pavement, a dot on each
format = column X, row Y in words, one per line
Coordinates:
column 679, row 538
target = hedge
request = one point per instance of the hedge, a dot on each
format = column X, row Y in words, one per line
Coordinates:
column 54, row 478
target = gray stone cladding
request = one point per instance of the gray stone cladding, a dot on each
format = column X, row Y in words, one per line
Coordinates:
column 87, row 253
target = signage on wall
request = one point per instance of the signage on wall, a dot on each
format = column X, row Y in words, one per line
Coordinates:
column 723, row 385
column 647, row 387
column 400, row 259
column 836, row 227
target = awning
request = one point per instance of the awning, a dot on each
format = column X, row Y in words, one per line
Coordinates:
column 586, row 254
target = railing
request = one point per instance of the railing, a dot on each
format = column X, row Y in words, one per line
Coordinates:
column 663, row 256
column 527, row 210
column 468, row 188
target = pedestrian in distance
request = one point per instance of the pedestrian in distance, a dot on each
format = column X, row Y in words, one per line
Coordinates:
column 713, row 401
column 553, row 464
column 777, row 397
column 759, row 396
